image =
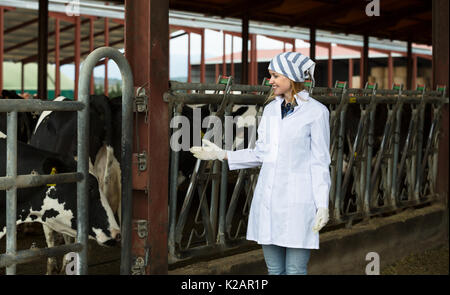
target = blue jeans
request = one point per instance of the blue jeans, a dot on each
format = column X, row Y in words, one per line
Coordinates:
column 282, row 260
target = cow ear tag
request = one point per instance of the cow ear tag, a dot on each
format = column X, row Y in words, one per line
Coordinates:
column 52, row 173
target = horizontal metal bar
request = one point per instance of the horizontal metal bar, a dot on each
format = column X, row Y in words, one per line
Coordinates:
column 255, row 99
column 392, row 99
column 175, row 85
column 37, row 105
column 30, row 180
column 214, row 98
column 25, row 256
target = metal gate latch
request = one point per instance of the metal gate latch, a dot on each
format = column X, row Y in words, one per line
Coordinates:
column 140, row 101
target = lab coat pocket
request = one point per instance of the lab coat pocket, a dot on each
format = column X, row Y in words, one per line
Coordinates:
column 300, row 188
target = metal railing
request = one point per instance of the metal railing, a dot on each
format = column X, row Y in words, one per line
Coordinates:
column 127, row 139
column 11, row 182
column 393, row 178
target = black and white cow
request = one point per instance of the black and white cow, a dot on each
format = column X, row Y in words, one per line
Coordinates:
column 26, row 121
column 57, row 132
column 56, row 205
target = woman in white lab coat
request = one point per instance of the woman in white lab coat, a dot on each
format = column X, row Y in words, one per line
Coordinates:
column 290, row 203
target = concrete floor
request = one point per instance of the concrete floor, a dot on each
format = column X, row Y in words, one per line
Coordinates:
column 422, row 249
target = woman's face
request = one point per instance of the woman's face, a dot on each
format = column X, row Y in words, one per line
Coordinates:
column 281, row 85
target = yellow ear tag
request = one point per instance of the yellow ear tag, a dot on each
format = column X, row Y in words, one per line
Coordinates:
column 352, row 100
column 52, row 173
column 201, row 134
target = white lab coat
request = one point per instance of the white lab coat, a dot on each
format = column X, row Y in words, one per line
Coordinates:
column 294, row 179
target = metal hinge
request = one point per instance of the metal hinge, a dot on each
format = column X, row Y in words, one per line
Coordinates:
column 142, row 161
column 138, row 267
column 142, row 229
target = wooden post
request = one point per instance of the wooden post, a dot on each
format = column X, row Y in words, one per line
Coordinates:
column 42, row 49
column 409, row 66
column 2, row 48
column 147, row 22
column 77, row 54
column 244, row 56
column 312, row 43
column 91, row 48
column 106, row 90
column 253, row 61
column 365, row 75
column 224, row 61
column 350, row 73
column 390, row 70
column 202, row 58
column 232, row 56
column 189, row 58
column 414, row 72
column 440, row 77
column 330, row 66
column 57, row 63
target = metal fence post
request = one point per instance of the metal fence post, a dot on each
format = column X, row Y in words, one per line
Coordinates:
column 11, row 194
column 127, row 138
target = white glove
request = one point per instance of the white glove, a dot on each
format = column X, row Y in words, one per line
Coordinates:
column 209, row 151
column 321, row 219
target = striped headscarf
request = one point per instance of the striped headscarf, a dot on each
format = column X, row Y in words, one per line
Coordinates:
column 294, row 65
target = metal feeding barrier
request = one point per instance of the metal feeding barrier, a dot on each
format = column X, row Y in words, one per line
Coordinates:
column 366, row 180
column 11, row 182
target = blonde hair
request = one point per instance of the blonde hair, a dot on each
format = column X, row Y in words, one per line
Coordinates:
column 296, row 87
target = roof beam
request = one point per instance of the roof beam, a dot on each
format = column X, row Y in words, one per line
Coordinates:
column 249, row 7
column 71, row 59
column 234, row 34
column 194, row 6
column 22, row 25
column 328, row 12
column 62, row 16
column 25, row 43
column 414, row 31
column 187, row 29
column 33, row 58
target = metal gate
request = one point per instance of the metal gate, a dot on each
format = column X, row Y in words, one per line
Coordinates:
column 375, row 181
column 11, row 182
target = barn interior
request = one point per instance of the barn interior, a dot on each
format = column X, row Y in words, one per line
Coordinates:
column 43, row 32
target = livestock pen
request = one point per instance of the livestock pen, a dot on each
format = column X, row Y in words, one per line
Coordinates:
column 389, row 146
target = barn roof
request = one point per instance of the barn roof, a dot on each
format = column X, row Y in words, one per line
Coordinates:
column 346, row 20
column 399, row 20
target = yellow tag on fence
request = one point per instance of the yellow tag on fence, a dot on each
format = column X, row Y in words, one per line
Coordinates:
column 352, row 100
column 52, row 173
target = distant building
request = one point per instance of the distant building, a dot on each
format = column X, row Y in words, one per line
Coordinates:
column 344, row 60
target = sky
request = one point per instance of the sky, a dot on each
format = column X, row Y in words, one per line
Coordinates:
column 178, row 52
